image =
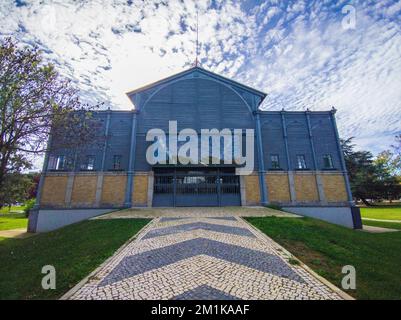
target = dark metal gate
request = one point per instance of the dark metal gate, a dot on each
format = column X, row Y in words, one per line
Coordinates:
column 196, row 188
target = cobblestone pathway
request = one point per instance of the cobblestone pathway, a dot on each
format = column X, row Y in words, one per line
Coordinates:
column 202, row 258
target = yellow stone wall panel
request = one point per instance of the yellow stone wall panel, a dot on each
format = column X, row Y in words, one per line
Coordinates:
column 334, row 188
column 53, row 193
column 113, row 192
column 140, row 192
column 252, row 190
column 279, row 189
column 84, row 191
column 306, row 188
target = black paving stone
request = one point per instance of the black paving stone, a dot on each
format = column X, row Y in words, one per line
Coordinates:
column 223, row 218
column 157, row 258
column 198, row 225
column 205, row 292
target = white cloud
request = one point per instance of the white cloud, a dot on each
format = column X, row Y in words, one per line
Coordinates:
column 296, row 51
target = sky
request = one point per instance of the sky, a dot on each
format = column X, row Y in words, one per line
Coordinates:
column 303, row 54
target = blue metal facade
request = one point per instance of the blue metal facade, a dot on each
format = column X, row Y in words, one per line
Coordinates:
column 199, row 99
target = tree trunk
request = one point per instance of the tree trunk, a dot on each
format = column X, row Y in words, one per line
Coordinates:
column 366, row 202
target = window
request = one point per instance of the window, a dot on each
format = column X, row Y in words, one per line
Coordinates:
column 301, row 163
column 89, row 163
column 275, row 161
column 117, row 162
column 328, row 161
column 60, row 162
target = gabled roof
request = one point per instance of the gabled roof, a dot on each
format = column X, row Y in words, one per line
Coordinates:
column 261, row 94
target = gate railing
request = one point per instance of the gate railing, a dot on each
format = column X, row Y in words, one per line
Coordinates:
column 202, row 183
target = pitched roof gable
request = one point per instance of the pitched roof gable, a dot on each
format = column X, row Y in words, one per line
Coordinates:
column 204, row 72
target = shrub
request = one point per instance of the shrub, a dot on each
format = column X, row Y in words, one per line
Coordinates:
column 29, row 204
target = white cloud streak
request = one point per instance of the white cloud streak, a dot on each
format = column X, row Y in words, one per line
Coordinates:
column 296, row 51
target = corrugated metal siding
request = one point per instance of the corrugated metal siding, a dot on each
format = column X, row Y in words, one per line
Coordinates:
column 298, row 139
column 324, row 139
column 194, row 103
column 273, row 140
column 200, row 103
column 94, row 149
column 119, row 139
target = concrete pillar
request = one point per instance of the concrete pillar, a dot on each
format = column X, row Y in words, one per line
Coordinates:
column 68, row 190
column 291, row 181
column 319, row 185
column 242, row 190
column 320, row 189
column 151, row 181
column 131, row 164
column 262, row 181
column 99, row 189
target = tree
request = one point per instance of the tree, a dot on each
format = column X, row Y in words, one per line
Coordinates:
column 33, row 190
column 371, row 178
column 16, row 188
column 361, row 171
column 34, row 102
column 396, row 161
column 388, row 185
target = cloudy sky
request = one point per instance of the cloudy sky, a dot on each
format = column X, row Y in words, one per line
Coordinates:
column 304, row 54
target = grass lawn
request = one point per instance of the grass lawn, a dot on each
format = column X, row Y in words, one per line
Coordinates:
column 382, row 212
column 74, row 251
column 13, row 221
column 326, row 248
column 13, row 209
column 390, row 225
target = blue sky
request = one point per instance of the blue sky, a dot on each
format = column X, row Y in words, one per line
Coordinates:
column 304, row 54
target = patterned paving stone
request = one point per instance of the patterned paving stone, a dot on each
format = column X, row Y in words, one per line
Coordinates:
column 204, row 293
column 195, row 259
column 153, row 259
column 224, row 218
column 166, row 219
column 198, row 225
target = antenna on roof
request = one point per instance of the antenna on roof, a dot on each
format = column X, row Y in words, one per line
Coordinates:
column 197, row 37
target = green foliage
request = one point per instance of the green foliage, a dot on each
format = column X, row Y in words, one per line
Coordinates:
column 15, row 188
column 34, row 100
column 29, row 204
column 371, row 178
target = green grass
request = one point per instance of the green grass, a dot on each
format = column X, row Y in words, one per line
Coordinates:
column 390, row 225
column 13, row 209
column 74, row 251
column 13, row 221
column 326, row 248
column 382, row 212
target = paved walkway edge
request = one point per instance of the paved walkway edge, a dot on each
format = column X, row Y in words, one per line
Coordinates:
column 381, row 220
column 80, row 284
column 288, row 255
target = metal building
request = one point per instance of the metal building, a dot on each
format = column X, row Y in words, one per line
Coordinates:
column 298, row 163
